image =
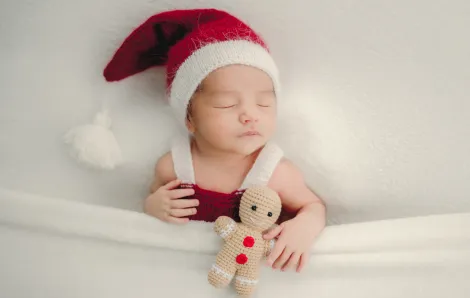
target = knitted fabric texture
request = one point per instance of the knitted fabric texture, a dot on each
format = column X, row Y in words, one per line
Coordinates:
column 191, row 44
column 213, row 204
column 244, row 245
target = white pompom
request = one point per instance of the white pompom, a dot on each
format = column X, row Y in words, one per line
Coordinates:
column 95, row 144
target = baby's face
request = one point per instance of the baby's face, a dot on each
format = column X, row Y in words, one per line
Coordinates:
column 260, row 207
column 235, row 109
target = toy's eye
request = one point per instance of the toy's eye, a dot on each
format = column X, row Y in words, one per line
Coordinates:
column 270, row 214
column 253, row 207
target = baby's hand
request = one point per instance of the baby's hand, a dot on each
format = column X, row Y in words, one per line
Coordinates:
column 292, row 249
column 166, row 204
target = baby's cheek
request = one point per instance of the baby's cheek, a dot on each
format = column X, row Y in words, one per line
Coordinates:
column 222, row 124
column 218, row 132
column 270, row 121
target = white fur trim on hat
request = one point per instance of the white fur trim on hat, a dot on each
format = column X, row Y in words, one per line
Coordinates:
column 211, row 57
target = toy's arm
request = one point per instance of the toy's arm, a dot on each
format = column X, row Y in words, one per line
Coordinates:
column 269, row 246
column 225, row 227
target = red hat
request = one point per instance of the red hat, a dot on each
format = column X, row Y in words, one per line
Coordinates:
column 191, row 44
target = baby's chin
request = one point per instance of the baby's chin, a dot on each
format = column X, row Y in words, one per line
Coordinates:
column 248, row 148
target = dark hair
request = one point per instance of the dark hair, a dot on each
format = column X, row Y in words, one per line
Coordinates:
column 189, row 109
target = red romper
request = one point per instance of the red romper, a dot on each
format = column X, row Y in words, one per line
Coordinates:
column 213, row 204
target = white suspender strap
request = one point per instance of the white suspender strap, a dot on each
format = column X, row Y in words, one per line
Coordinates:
column 264, row 166
column 182, row 159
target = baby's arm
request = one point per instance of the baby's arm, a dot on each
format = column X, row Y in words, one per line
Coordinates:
column 164, row 200
column 296, row 197
column 225, row 227
column 163, row 173
column 295, row 236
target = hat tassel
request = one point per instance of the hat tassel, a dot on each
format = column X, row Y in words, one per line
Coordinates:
column 95, row 144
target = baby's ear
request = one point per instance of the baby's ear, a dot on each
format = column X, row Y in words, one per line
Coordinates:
column 190, row 124
column 189, row 117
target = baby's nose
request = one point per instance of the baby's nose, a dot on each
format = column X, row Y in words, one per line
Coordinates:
column 247, row 118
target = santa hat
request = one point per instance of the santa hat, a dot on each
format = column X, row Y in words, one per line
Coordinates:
column 191, row 44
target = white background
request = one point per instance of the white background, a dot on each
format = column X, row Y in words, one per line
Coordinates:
column 379, row 88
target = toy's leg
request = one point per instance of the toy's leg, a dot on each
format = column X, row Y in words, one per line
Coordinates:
column 221, row 274
column 246, row 280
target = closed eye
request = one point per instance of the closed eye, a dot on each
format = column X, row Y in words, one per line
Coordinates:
column 266, row 99
column 224, row 107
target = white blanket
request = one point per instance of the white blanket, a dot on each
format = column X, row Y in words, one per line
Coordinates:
column 57, row 248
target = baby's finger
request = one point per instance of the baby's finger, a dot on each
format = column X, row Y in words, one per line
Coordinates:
column 181, row 193
column 275, row 253
column 304, row 258
column 273, row 233
column 292, row 262
column 182, row 212
column 281, row 261
column 181, row 204
column 172, row 184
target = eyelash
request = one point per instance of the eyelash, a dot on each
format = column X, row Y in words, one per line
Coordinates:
column 227, row 107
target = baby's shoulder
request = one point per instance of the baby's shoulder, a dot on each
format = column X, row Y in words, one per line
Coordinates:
column 285, row 168
column 164, row 168
column 285, row 174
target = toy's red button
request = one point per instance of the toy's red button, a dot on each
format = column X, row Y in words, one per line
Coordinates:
column 242, row 259
column 249, row 241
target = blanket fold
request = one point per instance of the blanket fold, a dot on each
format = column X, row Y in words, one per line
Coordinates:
column 424, row 234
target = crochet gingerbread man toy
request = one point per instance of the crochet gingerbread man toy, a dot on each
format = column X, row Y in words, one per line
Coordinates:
column 244, row 245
